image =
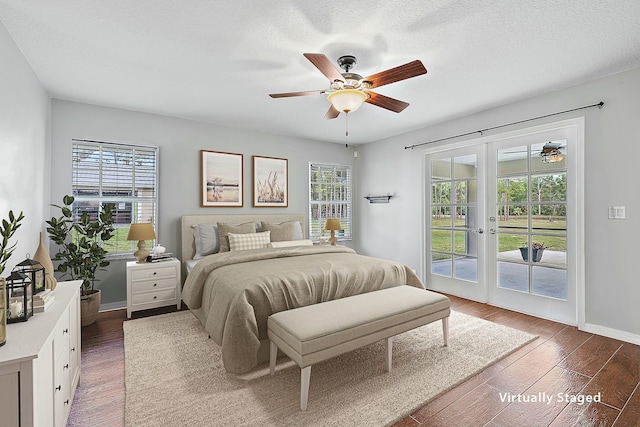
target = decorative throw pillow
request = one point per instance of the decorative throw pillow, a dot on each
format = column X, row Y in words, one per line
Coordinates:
column 205, row 237
column 285, row 231
column 224, row 229
column 243, row 242
column 289, row 243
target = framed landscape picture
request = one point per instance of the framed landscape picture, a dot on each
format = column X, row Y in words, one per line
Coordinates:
column 221, row 179
column 270, row 182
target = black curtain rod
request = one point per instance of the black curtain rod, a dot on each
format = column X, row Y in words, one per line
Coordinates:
column 481, row 132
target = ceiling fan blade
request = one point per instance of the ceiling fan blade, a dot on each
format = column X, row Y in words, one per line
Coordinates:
column 303, row 93
column 332, row 113
column 391, row 104
column 325, row 66
column 392, row 75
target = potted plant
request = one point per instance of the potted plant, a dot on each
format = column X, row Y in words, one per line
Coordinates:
column 537, row 249
column 81, row 252
column 7, row 229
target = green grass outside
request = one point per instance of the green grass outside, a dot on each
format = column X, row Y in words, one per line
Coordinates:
column 441, row 239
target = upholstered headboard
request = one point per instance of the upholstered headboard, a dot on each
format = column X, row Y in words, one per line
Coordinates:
column 188, row 248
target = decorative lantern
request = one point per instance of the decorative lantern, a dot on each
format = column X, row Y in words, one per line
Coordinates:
column 35, row 271
column 19, row 297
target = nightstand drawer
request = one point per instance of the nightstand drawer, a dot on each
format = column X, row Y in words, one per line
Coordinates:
column 161, row 295
column 151, row 273
column 149, row 285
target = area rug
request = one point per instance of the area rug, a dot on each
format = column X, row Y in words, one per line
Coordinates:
column 174, row 376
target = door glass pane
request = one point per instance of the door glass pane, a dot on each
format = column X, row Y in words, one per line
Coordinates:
column 555, row 153
column 509, row 246
column 441, row 193
column 465, row 166
column 550, row 282
column 441, row 241
column 512, row 160
column 549, row 188
column 513, row 190
column 466, row 268
column 441, row 169
column 441, row 216
column 460, row 219
column 513, row 276
column 441, row 264
column 461, row 192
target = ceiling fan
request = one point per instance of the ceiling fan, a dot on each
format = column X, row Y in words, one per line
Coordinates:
column 347, row 91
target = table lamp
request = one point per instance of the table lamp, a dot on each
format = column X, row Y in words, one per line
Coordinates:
column 141, row 232
column 332, row 224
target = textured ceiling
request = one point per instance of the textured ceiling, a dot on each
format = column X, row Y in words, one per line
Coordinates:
column 217, row 61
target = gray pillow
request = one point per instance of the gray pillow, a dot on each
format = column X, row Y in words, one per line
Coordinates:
column 205, row 237
column 224, row 229
column 284, row 232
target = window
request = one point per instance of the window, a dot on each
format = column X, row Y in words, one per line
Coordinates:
column 329, row 197
column 121, row 174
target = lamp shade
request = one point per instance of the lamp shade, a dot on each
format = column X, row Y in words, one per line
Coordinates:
column 142, row 231
column 332, row 224
column 347, row 100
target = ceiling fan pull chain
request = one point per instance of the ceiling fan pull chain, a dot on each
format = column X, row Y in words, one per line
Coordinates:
column 346, row 129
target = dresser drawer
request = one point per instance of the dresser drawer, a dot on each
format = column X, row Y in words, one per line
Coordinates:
column 151, row 273
column 149, row 297
column 61, row 334
column 154, row 284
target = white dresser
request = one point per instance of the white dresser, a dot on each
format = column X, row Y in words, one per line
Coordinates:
column 153, row 284
column 40, row 363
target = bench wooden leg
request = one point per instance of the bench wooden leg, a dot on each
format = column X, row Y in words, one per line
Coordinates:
column 305, row 378
column 389, row 348
column 273, row 354
column 445, row 330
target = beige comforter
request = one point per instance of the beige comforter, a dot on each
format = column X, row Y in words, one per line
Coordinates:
column 237, row 291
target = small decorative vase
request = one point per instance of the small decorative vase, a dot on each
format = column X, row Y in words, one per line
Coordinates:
column 3, row 312
column 42, row 256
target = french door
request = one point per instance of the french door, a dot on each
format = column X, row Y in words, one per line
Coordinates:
column 456, row 260
column 503, row 227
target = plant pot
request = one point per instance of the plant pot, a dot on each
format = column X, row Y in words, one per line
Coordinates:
column 89, row 306
column 536, row 254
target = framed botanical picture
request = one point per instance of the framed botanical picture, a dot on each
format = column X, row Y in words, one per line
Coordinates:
column 221, row 179
column 270, row 182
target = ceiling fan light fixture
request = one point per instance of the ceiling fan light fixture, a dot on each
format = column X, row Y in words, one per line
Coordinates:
column 347, row 100
column 551, row 153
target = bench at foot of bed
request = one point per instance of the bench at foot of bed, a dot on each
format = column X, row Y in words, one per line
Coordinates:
column 318, row 332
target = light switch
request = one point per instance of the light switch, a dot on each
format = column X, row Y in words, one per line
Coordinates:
column 616, row 212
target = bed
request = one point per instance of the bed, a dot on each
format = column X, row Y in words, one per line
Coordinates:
column 233, row 292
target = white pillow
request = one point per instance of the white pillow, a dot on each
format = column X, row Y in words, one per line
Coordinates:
column 288, row 243
column 243, row 242
column 206, row 240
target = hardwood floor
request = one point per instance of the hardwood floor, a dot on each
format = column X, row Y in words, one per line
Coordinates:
column 562, row 362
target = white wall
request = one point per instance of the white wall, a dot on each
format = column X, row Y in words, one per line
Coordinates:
column 612, row 151
column 179, row 142
column 24, row 134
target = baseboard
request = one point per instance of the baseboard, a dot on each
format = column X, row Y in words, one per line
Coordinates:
column 118, row 305
column 612, row 333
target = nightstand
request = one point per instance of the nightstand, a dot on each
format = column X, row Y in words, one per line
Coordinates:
column 153, row 284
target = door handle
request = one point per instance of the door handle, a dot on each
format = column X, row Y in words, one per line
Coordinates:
column 480, row 231
column 493, row 231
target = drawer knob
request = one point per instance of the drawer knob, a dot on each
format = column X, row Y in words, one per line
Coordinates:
column 155, row 272
column 66, row 402
column 155, row 297
column 65, row 331
column 59, row 388
column 66, row 366
column 73, row 349
column 155, row 284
